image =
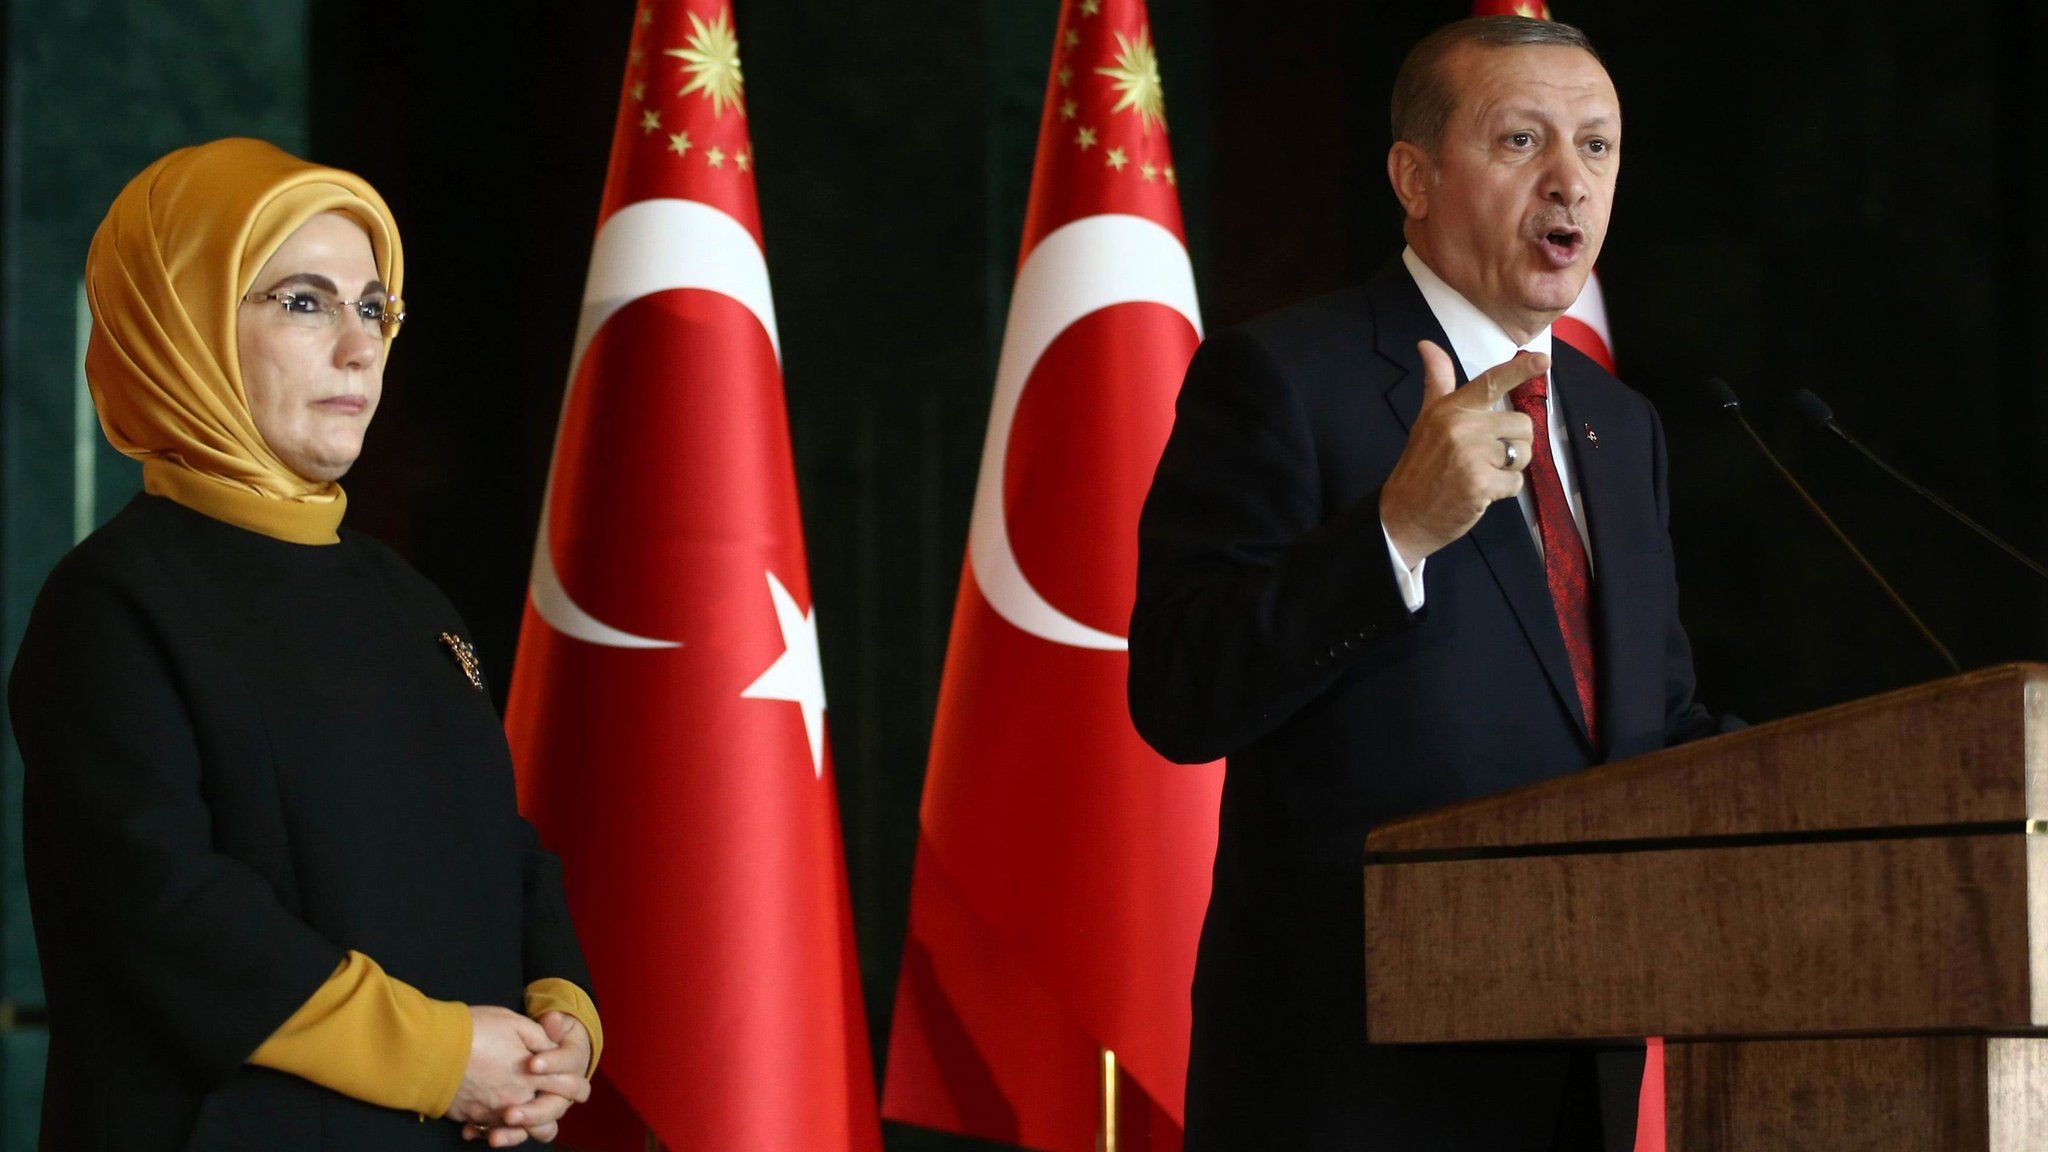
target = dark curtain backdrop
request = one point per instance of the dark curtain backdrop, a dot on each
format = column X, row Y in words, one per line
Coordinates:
column 1841, row 197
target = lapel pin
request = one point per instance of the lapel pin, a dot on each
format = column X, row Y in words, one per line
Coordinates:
column 465, row 655
column 1592, row 437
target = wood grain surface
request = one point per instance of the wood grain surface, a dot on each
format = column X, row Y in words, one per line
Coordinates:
column 2018, row 1087
column 1967, row 749
column 1831, row 918
column 1899, row 1094
column 1858, row 937
column 1892, row 1094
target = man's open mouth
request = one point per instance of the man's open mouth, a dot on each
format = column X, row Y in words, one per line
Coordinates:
column 1562, row 245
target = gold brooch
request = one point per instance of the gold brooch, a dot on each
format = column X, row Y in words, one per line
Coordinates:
column 465, row 655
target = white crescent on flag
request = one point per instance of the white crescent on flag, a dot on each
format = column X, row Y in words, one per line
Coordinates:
column 647, row 247
column 1078, row 269
column 1591, row 309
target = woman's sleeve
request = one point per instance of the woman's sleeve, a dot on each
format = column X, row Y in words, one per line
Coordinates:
column 372, row 1036
column 554, row 994
column 118, row 838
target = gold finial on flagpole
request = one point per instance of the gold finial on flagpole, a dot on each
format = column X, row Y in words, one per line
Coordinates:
column 1105, row 1133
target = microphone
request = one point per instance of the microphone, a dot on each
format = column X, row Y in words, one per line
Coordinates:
column 1816, row 410
column 1731, row 404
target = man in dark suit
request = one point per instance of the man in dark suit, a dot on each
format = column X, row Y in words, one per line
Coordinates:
column 1403, row 550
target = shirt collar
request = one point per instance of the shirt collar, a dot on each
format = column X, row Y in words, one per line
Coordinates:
column 1476, row 340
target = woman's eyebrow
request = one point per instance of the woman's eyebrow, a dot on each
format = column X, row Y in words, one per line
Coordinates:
column 315, row 280
column 310, row 280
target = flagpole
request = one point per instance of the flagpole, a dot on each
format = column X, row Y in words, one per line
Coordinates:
column 1105, row 1133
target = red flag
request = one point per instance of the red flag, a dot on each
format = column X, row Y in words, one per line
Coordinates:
column 1063, row 868
column 667, row 709
column 1584, row 324
column 1536, row 10
column 1584, row 327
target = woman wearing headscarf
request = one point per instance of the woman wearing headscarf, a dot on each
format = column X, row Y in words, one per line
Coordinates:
column 282, row 894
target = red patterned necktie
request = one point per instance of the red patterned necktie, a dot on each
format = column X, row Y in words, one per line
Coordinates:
column 1565, row 567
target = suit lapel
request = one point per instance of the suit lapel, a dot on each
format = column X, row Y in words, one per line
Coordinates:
column 1400, row 321
column 1502, row 537
column 1401, row 318
column 1587, row 405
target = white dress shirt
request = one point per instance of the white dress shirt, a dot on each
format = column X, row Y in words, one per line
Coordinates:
column 1479, row 344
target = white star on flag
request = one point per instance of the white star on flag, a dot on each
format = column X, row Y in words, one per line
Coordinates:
column 796, row 676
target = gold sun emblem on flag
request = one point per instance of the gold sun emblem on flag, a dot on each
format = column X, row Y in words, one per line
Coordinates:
column 712, row 59
column 1533, row 11
column 1136, row 78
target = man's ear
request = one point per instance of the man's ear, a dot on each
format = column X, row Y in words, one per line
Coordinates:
column 1412, row 175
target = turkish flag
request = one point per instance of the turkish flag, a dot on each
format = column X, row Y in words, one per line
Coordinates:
column 667, row 709
column 1063, row 866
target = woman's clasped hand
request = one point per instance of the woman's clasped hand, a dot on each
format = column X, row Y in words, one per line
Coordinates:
column 522, row 1077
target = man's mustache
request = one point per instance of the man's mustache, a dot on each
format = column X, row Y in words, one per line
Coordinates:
column 1556, row 218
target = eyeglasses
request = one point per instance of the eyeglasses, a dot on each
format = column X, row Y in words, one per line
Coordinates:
column 313, row 308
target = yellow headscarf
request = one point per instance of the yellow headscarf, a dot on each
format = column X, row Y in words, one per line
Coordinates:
column 168, row 269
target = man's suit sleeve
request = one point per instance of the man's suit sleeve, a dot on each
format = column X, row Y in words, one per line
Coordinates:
column 1685, row 718
column 1252, row 595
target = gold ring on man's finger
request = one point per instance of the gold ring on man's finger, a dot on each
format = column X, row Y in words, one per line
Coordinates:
column 1508, row 465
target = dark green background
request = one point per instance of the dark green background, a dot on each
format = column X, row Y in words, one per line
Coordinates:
column 1844, row 197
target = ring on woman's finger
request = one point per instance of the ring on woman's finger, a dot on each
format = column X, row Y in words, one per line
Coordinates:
column 1508, row 465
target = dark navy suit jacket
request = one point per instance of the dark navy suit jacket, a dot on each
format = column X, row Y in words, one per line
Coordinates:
column 1269, row 630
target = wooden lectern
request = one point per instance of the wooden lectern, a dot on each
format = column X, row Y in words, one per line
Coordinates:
column 1839, row 921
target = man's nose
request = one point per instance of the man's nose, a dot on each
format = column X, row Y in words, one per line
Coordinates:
column 1564, row 177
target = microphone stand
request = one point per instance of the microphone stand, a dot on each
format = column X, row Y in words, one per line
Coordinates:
column 1732, row 405
column 1816, row 410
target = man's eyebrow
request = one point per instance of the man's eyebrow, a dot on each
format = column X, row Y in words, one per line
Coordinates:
column 1524, row 113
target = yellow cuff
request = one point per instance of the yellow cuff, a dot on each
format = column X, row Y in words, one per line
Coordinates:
column 554, row 994
column 378, row 1039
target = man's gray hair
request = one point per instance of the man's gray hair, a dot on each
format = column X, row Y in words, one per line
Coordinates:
column 1423, row 97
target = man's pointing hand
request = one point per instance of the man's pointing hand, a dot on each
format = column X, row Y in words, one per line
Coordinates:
column 1462, row 454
